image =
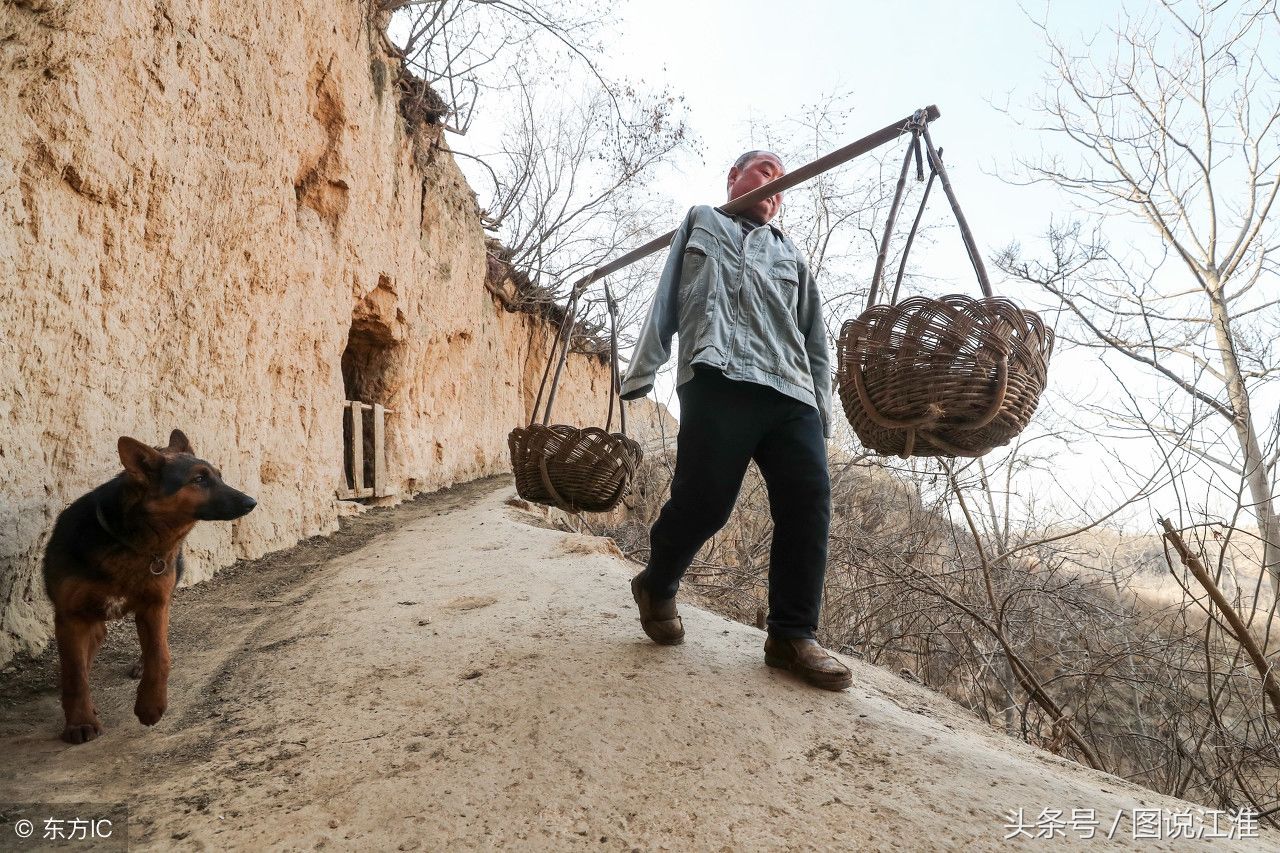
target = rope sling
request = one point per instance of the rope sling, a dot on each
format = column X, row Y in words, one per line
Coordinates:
column 952, row 376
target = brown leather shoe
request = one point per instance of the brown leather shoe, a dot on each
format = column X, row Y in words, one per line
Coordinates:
column 659, row 618
column 807, row 659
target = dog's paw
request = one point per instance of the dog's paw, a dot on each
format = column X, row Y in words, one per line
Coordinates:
column 148, row 712
column 77, row 733
column 135, row 671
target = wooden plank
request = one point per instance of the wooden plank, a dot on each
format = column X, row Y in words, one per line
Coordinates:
column 344, row 491
column 379, row 452
column 357, row 449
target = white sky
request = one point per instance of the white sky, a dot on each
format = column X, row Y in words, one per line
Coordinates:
column 735, row 60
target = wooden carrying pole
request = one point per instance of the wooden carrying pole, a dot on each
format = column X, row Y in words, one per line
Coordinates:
column 838, row 157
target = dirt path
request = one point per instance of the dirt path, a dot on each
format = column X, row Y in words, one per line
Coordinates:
column 444, row 675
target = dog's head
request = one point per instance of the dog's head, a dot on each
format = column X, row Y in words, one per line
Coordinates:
column 178, row 485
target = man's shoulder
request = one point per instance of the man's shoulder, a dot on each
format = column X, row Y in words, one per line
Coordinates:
column 708, row 218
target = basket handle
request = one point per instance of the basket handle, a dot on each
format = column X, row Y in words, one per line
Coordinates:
column 917, row 426
column 560, row 354
column 562, row 334
column 915, row 226
column 1002, row 389
column 970, row 245
column 615, row 377
column 919, row 127
column 551, row 490
column 914, row 148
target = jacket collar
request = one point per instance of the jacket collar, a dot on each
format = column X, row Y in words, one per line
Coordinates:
column 776, row 230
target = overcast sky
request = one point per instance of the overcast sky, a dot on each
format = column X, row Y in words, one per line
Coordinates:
column 733, row 60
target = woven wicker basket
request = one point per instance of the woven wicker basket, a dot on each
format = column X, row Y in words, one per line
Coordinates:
column 586, row 469
column 953, row 376
column 578, row 470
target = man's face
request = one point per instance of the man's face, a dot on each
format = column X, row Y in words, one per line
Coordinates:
column 758, row 171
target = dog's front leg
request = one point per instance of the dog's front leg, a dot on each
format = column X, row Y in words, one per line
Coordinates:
column 76, row 640
column 153, row 636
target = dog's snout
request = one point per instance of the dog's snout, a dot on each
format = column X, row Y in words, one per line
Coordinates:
column 226, row 504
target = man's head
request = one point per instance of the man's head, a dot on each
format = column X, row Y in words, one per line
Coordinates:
column 755, row 169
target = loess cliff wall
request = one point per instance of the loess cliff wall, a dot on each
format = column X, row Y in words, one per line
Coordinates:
column 213, row 217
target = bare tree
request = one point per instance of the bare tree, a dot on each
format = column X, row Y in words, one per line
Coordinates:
column 567, row 184
column 464, row 48
column 570, row 185
column 1175, row 135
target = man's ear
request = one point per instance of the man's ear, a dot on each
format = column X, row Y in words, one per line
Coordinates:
column 140, row 460
column 178, row 443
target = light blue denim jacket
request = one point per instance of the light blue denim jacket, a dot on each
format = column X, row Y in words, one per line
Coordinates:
column 745, row 304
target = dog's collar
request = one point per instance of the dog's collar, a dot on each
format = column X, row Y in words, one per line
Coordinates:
column 158, row 565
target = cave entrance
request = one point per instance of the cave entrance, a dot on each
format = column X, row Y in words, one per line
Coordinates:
column 366, row 381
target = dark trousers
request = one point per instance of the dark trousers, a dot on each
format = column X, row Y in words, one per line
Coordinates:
column 724, row 425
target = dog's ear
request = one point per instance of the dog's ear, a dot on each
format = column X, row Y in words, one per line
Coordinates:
column 140, row 460
column 178, row 443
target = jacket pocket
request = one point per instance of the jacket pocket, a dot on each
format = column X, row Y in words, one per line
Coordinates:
column 696, row 274
column 789, row 359
column 701, row 242
column 693, row 265
column 786, row 271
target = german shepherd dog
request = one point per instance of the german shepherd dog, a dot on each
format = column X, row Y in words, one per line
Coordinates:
column 118, row 550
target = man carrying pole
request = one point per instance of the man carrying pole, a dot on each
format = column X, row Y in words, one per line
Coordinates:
column 754, row 382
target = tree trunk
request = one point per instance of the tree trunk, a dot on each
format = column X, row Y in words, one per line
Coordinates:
column 1253, row 468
